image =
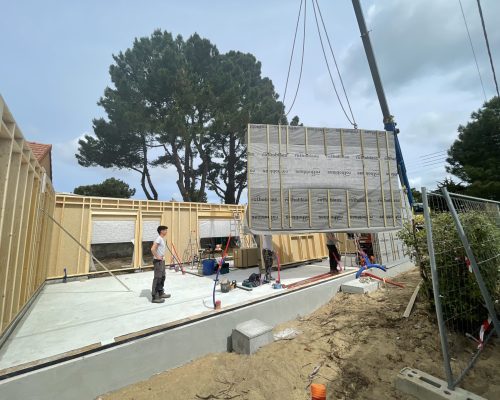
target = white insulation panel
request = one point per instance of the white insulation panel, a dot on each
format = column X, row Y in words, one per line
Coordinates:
column 214, row 228
column 322, row 179
column 112, row 231
column 149, row 230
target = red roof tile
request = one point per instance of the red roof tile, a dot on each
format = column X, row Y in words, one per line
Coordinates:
column 39, row 150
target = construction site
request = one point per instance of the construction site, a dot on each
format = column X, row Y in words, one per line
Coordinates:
column 61, row 305
column 326, row 279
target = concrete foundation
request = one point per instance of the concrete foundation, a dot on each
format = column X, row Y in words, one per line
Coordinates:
column 355, row 286
column 250, row 336
column 427, row 387
column 124, row 360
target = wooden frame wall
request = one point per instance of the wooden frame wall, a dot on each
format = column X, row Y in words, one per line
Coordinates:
column 76, row 214
column 24, row 231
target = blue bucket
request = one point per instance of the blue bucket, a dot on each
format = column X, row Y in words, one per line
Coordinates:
column 208, row 267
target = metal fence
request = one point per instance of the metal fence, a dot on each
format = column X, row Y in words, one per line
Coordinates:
column 463, row 240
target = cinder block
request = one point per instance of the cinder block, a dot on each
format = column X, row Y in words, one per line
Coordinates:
column 249, row 336
column 427, row 387
column 355, row 286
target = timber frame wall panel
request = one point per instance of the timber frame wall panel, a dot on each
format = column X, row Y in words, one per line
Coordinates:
column 77, row 213
column 24, row 232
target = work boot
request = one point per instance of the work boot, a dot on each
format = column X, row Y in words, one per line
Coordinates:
column 157, row 299
column 164, row 295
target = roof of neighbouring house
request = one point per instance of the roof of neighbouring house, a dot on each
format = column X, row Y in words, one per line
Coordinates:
column 40, row 150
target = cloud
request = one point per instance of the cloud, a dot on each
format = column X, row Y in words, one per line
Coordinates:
column 415, row 40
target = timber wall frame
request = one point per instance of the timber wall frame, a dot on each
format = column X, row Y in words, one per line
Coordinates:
column 76, row 214
column 25, row 232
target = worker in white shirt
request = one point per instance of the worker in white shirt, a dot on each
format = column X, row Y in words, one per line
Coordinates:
column 158, row 250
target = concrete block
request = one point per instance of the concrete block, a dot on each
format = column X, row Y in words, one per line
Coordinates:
column 251, row 335
column 355, row 286
column 427, row 387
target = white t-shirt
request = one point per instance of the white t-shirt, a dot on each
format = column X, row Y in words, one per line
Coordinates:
column 267, row 242
column 160, row 250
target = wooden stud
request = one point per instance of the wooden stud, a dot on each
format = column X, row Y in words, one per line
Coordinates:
column 329, row 209
column 348, row 208
column 364, row 177
column 249, row 186
column 269, row 211
column 282, row 216
column 390, row 179
column 381, row 173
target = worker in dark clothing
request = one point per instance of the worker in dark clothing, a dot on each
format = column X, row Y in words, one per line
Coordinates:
column 268, row 256
column 333, row 253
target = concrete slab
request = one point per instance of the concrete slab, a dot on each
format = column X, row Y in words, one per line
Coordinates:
column 68, row 316
column 427, row 387
column 357, row 287
column 250, row 336
column 123, row 363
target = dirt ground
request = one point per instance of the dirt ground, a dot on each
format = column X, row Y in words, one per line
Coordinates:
column 358, row 342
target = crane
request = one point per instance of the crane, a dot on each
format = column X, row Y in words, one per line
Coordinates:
column 389, row 122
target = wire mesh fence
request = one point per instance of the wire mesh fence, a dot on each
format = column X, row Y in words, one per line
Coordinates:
column 461, row 271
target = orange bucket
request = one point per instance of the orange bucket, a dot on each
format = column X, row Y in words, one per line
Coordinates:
column 318, row 391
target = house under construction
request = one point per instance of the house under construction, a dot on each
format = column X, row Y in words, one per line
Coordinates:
column 75, row 280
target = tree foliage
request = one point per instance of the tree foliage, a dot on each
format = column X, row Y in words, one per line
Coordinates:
column 451, row 186
column 475, row 156
column 109, row 188
column 417, row 196
column 181, row 103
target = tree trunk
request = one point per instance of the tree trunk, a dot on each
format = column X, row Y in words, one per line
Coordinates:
column 229, row 197
column 150, row 184
column 144, row 187
column 145, row 173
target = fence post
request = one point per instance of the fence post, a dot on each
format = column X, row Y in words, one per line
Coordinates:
column 435, row 290
column 473, row 262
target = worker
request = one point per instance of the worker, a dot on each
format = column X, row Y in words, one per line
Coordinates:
column 267, row 257
column 333, row 253
column 158, row 249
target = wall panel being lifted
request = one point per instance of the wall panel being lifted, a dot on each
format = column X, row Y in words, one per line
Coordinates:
column 303, row 179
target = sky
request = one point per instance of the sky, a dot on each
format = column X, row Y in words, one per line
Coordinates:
column 55, row 56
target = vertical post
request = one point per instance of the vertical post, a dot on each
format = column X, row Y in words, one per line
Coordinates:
column 249, row 182
column 325, row 143
column 342, row 143
column 470, row 255
column 306, row 141
column 310, row 207
column 390, row 179
column 268, row 182
column 380, row 169
column 348, row 208
column 329, row 209
column 281, row 183
column 435, row 289
column 364, row 177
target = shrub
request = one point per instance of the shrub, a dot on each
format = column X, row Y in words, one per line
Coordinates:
column 461, row 298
